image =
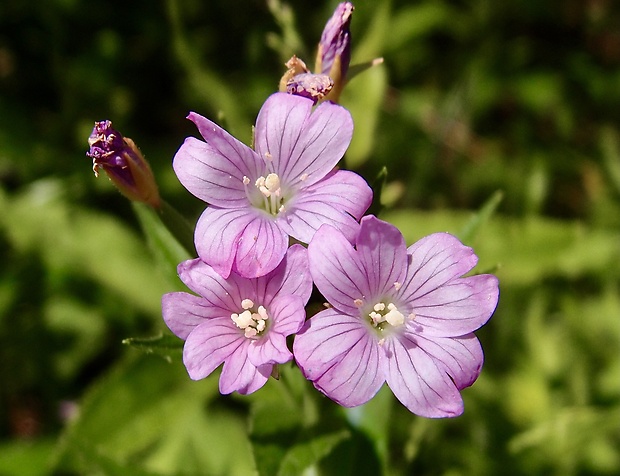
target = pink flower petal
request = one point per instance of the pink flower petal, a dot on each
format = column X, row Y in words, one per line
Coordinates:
column 419, row 380
column 210, row 344
column 243, row 240
column 341, row 358
column 460, row 357
column 457, row 308
column 193, row 165
column 292, row 276
column 260, row 249
column 182, row 312
column 435, row 260
column 288, row 313
column 339, row 200
column 382, row 252
column 269, row 350
column 221, row 296
column 444, row 303
column 240, row 375
column 300, row 141
column 337, row 270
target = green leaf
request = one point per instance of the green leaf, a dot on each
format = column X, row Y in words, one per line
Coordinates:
column 308, row 453
column 164, row 344
column 169, row 237
column 72, row 240
column 472, row 227
column 147, row 416
column 377, row 185
column 26, row 458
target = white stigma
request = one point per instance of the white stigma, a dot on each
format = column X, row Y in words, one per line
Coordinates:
column 252, row 323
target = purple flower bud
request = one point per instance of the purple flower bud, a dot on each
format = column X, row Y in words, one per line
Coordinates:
column 335, row 47
column 123, row 162
column 311, row 86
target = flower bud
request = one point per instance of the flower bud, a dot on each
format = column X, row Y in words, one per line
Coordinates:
column 124, row 164
column 334, row 53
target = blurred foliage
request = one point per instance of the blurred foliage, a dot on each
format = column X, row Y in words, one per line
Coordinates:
column 475, row 97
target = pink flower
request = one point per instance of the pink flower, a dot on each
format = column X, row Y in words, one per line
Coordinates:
column 399, row 315
column 242, row 323
column 286, row 187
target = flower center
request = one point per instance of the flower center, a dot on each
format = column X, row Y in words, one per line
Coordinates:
column 385, row 315
column 252, row 320
column 271, row 195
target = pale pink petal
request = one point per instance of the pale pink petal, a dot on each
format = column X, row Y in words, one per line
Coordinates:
column 341, row 357
column 324, row 339
column 444, row 303
column 419, row 381
column 243, row 240
column 240, row 375
column 221, row 296
column 213, row 178
column 288, row 313
column 382, row 252
column 339, row 200
column 435, row 260
column 292, row 276
column 182, row 312
column 299, row 141
column 210, row 344
column 460, row 357
column 337, row 270
column 269, row 350
column 458, row 307
column 261, row 247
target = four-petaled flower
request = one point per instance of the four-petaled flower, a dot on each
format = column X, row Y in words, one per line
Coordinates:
column 240, row 322
column 401, row 315
column 286, row 187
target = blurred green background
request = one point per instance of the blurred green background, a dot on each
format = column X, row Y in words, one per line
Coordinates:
column 477, row 101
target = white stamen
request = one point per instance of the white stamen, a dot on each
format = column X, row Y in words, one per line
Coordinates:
column 246, row 180
column 358, row 303
column 378, row 317
column 303, row 177
column 394, row 317
column 262, row 312
column 252, row 323
column 397, row 285
column 268, row 156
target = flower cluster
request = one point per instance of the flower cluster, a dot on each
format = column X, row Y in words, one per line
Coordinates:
column 399, row 315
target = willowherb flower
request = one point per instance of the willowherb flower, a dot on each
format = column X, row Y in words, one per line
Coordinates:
column 399, row 315
column 242, row 323
column 286, row 187
column 123, row 163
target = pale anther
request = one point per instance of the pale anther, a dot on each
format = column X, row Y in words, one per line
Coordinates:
column 397, row 285
column 358, row 302
column 247, row 304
